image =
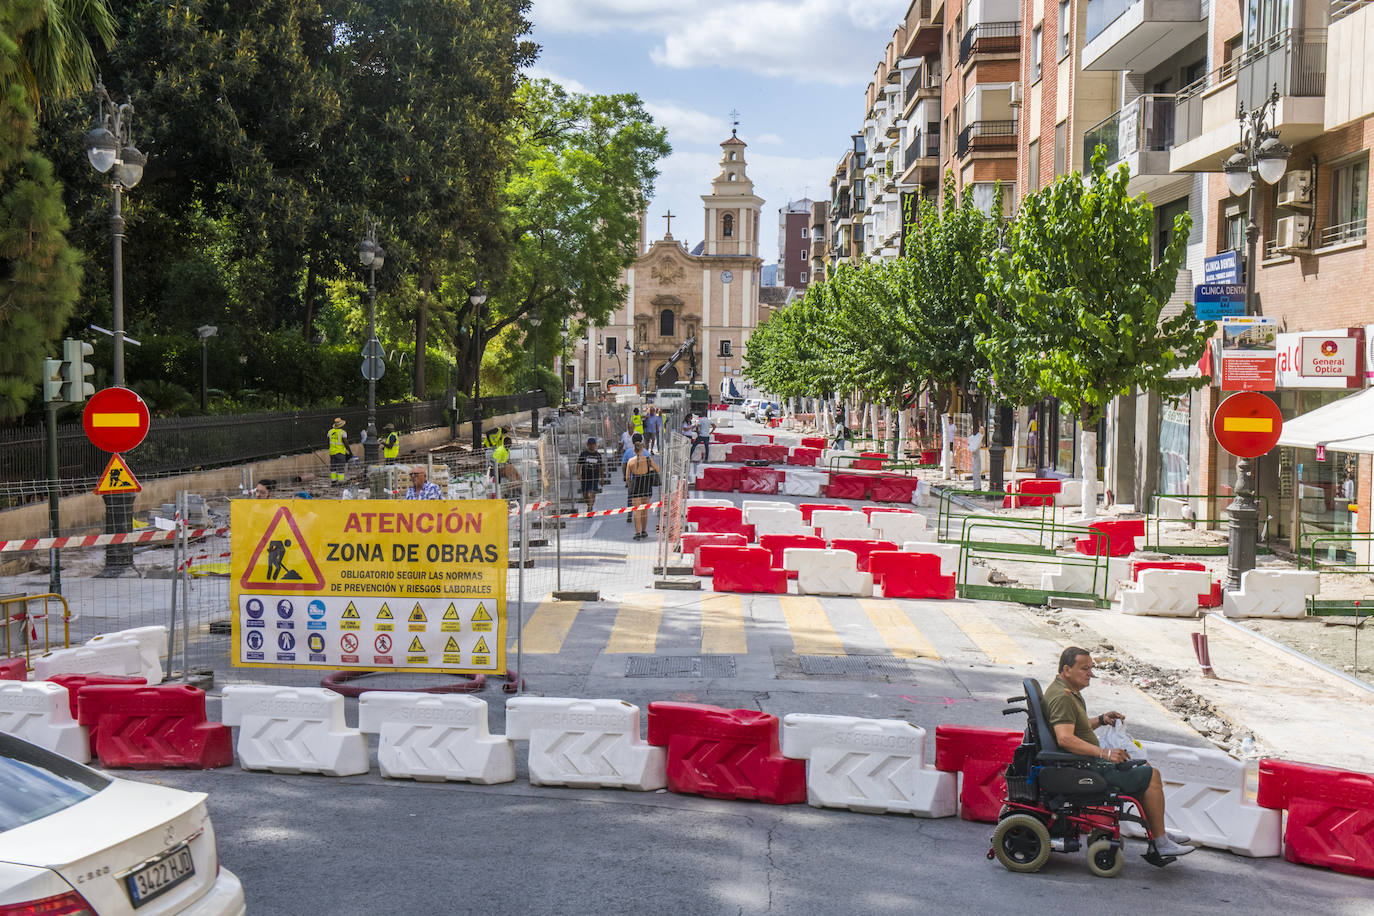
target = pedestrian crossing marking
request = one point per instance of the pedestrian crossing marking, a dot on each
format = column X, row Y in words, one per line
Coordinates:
column 990, row 639
column 897, row 630
column 636, row 625
column 812, row 632
column 548, row 626
column 722, row 625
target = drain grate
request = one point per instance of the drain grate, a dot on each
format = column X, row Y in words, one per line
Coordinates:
column 856, row 666
column 680, row 666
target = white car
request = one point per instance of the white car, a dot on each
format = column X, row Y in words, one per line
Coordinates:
column 75, row 842
column 750, row 406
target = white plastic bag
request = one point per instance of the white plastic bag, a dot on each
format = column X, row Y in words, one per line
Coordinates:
column 1114, row 737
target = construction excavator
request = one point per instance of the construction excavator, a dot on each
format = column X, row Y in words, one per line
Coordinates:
column 666, row 376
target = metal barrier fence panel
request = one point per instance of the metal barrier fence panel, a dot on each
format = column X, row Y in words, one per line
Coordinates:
column 1208, row 510
column 1027, row 546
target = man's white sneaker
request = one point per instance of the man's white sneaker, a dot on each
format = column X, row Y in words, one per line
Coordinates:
column 1167, row 847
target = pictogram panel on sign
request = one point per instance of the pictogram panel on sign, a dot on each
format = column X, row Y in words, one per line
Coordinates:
column 350, row 585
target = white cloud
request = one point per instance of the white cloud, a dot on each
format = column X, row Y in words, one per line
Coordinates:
column 687, row 125
column 539, row 72
column 769, row 140
column 828, row 41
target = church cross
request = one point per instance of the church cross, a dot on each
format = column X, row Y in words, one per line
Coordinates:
column 669, row 217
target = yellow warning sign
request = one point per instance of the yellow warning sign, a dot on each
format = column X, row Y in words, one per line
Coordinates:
column 282, row 562
column 300, row 567
column 117, row 478
column 481, row 646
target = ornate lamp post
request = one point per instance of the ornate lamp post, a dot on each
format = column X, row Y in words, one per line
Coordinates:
column 372, row 256
column 110, row 148
column 1002, row 421
column 563, row 362
column 1259, row 153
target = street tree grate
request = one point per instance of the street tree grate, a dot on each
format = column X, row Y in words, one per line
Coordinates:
column 856, row 666
column 666, row 666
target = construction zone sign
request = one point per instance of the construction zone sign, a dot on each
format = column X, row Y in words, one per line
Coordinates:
column 361, row 584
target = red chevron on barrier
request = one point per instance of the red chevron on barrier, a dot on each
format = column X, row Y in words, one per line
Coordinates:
column 1330, row 814
column 152, row 727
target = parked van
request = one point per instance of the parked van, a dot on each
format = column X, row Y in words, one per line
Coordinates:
column 670, row 398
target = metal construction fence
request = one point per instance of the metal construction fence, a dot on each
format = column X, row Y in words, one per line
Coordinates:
column 177, row 444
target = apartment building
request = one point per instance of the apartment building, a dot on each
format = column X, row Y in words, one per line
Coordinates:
column 820, row 239
column 794, row 245
column 982, row 68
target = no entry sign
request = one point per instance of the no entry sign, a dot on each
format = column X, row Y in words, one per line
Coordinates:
column 1247, row 424
column 116, row 419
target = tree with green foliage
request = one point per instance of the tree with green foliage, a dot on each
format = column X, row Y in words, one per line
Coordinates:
column 1074, row 307
column 44, row 55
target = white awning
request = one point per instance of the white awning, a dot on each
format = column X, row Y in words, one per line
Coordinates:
column 1346, row 425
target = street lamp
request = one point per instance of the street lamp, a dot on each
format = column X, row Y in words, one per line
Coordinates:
column 205, row 332
column 1259, row 153
column 1002, row 422
column 372, row 256
column 563, row 362
column 478, row 298
column 110, row 148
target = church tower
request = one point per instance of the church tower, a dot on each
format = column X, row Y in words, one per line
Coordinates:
column 732, row 208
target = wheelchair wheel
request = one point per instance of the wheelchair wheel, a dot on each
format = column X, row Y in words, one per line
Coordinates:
column 1021, row 843
column 1104, row 860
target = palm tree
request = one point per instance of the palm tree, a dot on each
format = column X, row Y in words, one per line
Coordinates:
column 54, row 39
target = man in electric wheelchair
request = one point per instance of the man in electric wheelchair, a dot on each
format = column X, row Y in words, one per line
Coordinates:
column 1062, row 784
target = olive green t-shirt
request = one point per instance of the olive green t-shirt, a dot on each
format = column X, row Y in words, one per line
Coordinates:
column 1063, row 706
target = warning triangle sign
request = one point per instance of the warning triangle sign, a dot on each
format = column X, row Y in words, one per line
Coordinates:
column 385, row 612
column 451, row 613
column 481, row 614
column 281, row 562
column 117, row 478
column 350, row 612
column 481, row 646
column 416, row 645
column 417, row 614
column 452, row 645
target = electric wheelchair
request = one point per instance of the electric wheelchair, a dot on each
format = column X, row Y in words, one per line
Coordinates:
column 1054, row 798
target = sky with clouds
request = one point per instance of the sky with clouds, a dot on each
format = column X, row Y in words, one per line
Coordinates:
column 795, row 70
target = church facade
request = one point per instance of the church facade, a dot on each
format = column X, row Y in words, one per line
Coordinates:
column 710, row 293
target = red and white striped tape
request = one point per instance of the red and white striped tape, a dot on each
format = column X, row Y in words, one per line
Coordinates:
column 600, row 512
column 105, row 540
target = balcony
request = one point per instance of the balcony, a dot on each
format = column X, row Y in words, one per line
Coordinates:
column 1140, row 34
column 1205, row 125
column 1352, row 30
column 921, row 162
column 990, row 38
column 922, row 30
column 987, row 137
column 924, row 86
column 1140, row 135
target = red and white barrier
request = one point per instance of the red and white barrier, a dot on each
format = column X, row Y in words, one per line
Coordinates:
column 585, row 743
column 147, row 536
column 293, row 730
column 949, row 561
column 601, row 513
column 901, row 527
column 876, row 766
column 841, row 523
column 827, row 572
column 798, row 482
column 776, row 521
column 435, row 737
column 40, row 713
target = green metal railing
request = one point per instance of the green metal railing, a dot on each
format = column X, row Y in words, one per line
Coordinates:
column 1154, row 521
column 1310, row 541
column 946, row 514
column 978, row 540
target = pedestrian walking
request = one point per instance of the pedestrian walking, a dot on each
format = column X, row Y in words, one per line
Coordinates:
column 653, row 424
column 391, row 443
column 338, row 453
column 421, row 487
column 637, row 423
column 641, row 475
column 589, row 467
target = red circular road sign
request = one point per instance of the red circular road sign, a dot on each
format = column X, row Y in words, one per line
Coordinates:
column 116, row 419
column 1247, row 424
column 349, row 642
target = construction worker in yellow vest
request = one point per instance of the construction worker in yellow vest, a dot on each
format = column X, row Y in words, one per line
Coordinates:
column 637, row 423
column 492, row 438
column 338, row 452
column 391, row 443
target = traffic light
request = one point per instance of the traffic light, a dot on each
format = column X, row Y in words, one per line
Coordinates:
column 75, row 371
column 52, row 380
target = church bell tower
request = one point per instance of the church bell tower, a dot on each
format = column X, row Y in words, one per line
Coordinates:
column 732, row 208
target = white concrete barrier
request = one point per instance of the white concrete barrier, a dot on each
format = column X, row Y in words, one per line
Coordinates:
column 40, row 713
column 436, row 737
column 949, row 561
column 802, row 482
column 1166, row 592
column 755, row 439
column 1078, row 576
column 827, row 572
column 1204, row 793
column 749, row 504
column 841, row 523
column 777, row 521
column 1272, row 593
column 708, row 502
column 586, row 743
column 293, row 730
column 871, row 765
column 901, row 526
column 717, row 452
column 119, row 657
column 152, row 648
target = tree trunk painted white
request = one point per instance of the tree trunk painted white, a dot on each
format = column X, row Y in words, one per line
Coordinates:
column 946, row 446
column 1015, row 457
column 903, row 430
column 877, row 430
column 1087, row 461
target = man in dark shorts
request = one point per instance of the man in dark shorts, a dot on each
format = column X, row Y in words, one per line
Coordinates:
column 1067, row 714
column 589, row 468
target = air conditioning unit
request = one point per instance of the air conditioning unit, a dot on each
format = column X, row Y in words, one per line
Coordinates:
column 1016, row 98
column 1296, row 189
column 1293, row 232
